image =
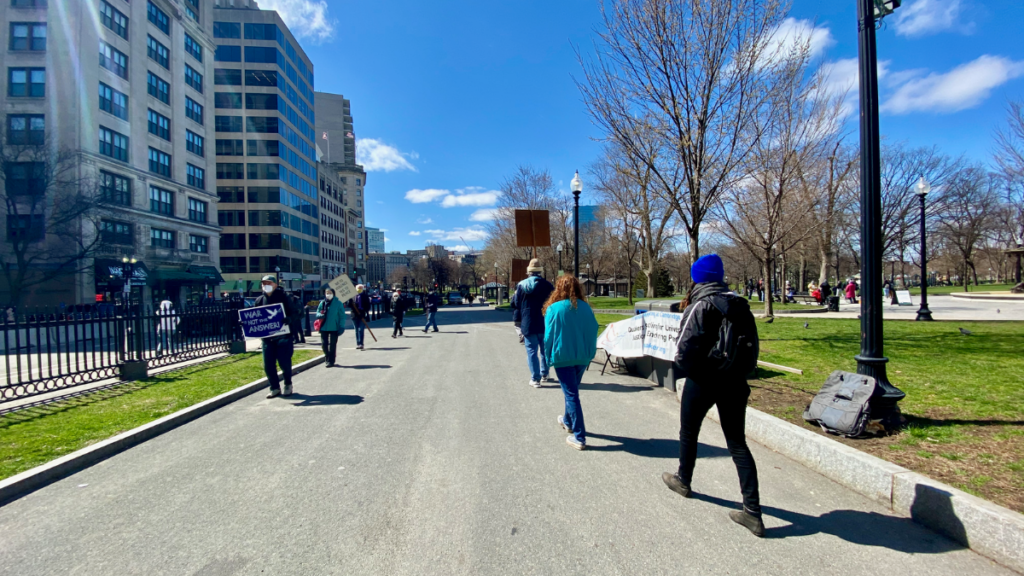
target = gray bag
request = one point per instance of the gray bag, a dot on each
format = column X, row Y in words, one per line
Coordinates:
column 842, row 406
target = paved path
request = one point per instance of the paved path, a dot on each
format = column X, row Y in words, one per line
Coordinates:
column 431, row 455
column 943, row 307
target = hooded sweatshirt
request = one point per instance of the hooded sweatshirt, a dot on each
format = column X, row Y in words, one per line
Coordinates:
column 530, row 296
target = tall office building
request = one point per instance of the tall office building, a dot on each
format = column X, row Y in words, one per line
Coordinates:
column 129, row 125
column 374, row 241
column 266, row 153
column 334, row 248
column 334, row 114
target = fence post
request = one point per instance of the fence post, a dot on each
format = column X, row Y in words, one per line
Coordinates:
column 237, row 345
column 134, row 367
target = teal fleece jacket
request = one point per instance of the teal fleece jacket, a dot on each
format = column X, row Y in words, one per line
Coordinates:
column 570, row 336
column 333, row 315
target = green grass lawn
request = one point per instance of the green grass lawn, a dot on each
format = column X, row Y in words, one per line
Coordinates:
column 608, row 303
column 936, row 290
column 35, row 436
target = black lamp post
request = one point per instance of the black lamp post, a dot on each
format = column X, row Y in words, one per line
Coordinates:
column 923, row 313
column 870, row 361
column 559, row 250
column 577, row 186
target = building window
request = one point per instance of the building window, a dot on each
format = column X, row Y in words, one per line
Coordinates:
column 159, row 125
column 158, row 89
column 197, row 210
column 232, row 264
column 261, row 32
column 227, row 54
column 31, row 35
column 158, row 52
column 263, row 147
column 24, row 179
column 358, row 182
column 232, row 241
column 196, row 176
column 194, row 143
column 227, row 77
column 194, row 110
column 114, row 19
column 159, row 18
column 28, row 227
column 234, row 194
column 230, row 148
column 194, row 48
column 192, row 9
column 26, row 82
column 230, row 171
column 161, row 201
column 115, row 232
column 261, row 101
column 227, row 30
column 264, row 172
column 260, row 78
column 28, row 3
column 159, row 163
column 263, row 55
column 228, row 123
column 113, row 101
column 114, row 60
column 193, row 78
column 161, row 238
column 197, row 243
column 231, row 217
column 115, row 189
column 113, row 144
column 227, row 100
column 261, row 124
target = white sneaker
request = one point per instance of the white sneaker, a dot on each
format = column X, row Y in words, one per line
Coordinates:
column 534, row 383
column 561, row 422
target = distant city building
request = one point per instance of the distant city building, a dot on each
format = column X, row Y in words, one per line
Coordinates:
column 437, row 252
column 376, row 269
column 591, row 214
column 374, row 241
column 468, row 259
column 334, row 118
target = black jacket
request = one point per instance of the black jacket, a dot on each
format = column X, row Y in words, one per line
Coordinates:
column 701, row 322
column 530, row 296
column 433, row 301
column 278, row 297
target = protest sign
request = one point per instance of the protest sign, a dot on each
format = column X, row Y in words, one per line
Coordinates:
column 623, row 339
column 264, row 321
column 903, row 297
column 661, row 334
column 343, row 288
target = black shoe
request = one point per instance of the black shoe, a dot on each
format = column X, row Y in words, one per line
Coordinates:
column 748, row 521
column 675, row 484
column 436, row 330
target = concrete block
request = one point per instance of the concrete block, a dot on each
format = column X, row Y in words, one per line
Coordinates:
column 989, row 529
column 237, row 347
column 133, row 370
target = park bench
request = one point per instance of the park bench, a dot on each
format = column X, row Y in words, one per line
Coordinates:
column 805, row 299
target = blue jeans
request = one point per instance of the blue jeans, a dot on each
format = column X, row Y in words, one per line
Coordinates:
column 360, row 331
column 431, row 321
column 570, row 378
column 535, row 357
column 278, row 351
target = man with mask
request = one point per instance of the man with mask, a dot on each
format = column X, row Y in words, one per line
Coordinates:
column 360, row 306
column 278, row 349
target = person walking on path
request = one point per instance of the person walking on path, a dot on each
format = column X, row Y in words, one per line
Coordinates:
column 166, row 328
column 398, row 306
column 708, row 382
column 433, row 301
column 570, row 343
column 851, row 292
column 360, row 307
column 331, row 314
column 530, row 296
column 298, row 334
column 277, row 350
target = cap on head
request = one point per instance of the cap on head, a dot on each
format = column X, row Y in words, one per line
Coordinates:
column 535, row 266
column 270, row 278
column 360, row 287
column 707, row 268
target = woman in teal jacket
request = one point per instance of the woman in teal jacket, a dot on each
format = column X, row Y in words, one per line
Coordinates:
column 331, row 314
column 570, row 343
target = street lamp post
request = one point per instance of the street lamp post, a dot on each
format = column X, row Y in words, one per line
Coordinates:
column 497, row 287
column 277, row 272
column 559, row 250
column 923, row 313
column 577, row 186
column 870, row 361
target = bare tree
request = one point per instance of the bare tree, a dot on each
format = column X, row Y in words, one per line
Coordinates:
column 835, row 179
column 52, row 216
column 400, row 276
column 676, row 84
column 968, row 204
column 1010, row 158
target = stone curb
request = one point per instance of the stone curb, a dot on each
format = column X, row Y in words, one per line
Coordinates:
column 990, row 530
column 31, row 480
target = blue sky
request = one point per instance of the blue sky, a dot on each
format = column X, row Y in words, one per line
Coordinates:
column 448, row 97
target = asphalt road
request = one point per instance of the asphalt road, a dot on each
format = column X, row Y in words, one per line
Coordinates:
column 431, row 454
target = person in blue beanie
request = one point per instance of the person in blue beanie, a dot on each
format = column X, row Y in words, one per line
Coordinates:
column 710, row 381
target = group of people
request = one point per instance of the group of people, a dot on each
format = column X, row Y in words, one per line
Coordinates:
column 558, row 328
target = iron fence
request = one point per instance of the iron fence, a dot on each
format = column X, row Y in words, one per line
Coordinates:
column 52, row 349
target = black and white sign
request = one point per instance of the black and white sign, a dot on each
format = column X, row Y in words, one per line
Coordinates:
column 903, row 297
column 264, row 321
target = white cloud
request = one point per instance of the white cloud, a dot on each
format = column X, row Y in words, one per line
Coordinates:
column 414, row 233
column 376, row 156
column 386, row 239
column 962, row 87
column 793, row 33
column 381, row 229
column 425, row 220
column 471, row 234
column 458, row 248
column 923, row 17
column 434, row 232
column 418, row 196
column 465, row 198
column 483, row 215
column 305, row 18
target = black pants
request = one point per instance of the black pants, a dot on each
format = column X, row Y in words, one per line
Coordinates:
column 398, row 326
column 278, row 351
column 329, row 344
column 731, row 399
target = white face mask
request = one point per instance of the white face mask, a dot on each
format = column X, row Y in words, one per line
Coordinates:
column 329, row 297
column 268, row 288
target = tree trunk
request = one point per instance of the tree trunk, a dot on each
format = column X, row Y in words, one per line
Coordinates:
column 767, row 273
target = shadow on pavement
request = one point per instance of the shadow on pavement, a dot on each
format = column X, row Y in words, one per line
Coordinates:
column 653, row 447
column 603, row 387
column 862, row 528
column 363, row 366
column 325, row 399
column 451, row 332
column 378, row 349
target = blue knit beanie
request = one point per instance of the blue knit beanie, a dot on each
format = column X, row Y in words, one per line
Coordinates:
column 707, row 268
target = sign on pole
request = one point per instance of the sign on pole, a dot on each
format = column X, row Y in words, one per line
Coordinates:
column 264, row 321
column 343, row 288
column 903, row 297
column 533, row 228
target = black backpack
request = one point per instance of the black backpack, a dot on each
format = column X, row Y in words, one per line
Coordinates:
column 735, row 353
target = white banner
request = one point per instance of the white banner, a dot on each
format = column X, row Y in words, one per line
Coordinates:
column 650, row 334
column 623, row 339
